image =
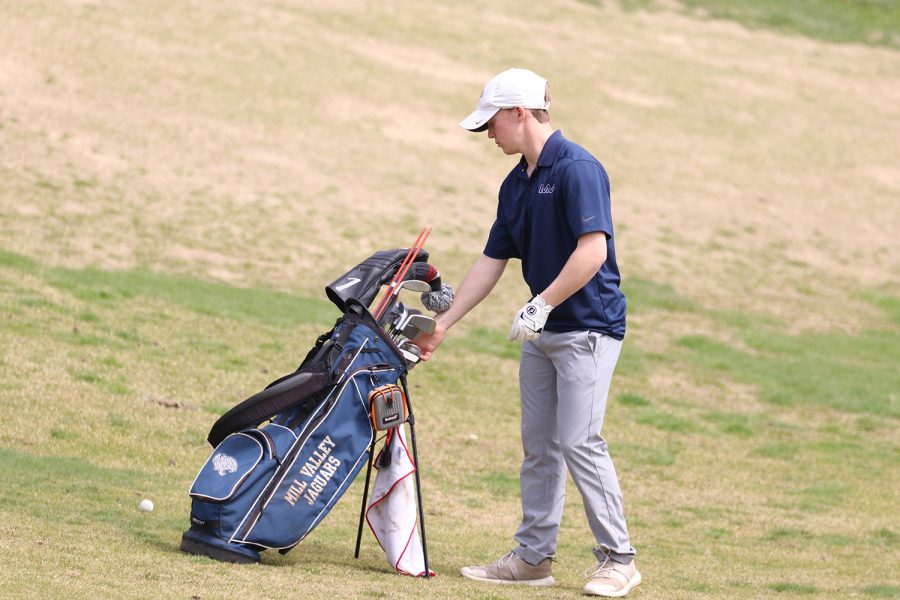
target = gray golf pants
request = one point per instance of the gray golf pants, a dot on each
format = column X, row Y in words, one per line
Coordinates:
column 564, row 381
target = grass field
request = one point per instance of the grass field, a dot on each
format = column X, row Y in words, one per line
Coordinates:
column 178, row 182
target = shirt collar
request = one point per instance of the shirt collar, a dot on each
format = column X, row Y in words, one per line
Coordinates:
column 548, row 152
column 551, row 149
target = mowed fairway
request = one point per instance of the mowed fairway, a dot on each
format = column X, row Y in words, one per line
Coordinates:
column 178, row 182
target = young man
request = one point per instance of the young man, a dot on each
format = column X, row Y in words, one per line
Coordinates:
column 553, row 215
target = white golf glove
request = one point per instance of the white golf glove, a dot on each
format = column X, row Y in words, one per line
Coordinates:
column 529, row 321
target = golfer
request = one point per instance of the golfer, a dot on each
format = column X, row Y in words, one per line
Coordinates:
column 553, row 215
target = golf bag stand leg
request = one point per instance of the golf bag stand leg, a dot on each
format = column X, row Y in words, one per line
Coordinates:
column 362, row 510
column 412, row 433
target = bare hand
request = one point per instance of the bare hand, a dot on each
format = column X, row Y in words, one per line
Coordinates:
column 428, row 343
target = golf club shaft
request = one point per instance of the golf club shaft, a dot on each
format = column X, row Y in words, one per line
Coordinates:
column 401, row 271
column 410, row 254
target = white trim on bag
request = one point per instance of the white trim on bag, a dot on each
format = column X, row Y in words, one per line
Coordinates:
column 343, row 483
column 242, row 479
column 233, row 537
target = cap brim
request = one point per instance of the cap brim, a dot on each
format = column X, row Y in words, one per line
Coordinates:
column 478, row 120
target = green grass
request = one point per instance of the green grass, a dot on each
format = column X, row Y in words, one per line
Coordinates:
column 99, row 287
column 887, row 302
column 854, row 373
column 637, row 456
column 644, row 295
column 886, row 538
column 18, row 262
column 860, row 21
column 204, row 297
column 795, row 588
column 882, row 590
column 732, row 423
column 875, row 22
column 485, row 341
column 632, row 400
column 666, row 421
column 134, row 404
column 83, row 493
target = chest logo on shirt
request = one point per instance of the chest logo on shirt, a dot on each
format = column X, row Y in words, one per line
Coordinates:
column 546, row 188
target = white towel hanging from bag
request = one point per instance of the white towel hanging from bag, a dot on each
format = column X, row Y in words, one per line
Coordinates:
column 392, row 514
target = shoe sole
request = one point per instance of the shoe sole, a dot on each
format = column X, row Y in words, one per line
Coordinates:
column 192, row 545
column 545, row 582
column 632, row 583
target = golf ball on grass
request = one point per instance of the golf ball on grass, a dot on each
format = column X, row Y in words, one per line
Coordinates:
column 146, row 505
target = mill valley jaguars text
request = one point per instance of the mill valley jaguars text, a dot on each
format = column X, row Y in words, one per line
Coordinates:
column 315, row 474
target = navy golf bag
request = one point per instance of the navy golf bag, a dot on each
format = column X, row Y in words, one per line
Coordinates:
column 284, row 457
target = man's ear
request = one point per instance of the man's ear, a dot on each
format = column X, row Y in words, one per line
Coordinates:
column 521, row 113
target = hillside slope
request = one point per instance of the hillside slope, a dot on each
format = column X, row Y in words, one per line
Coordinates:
column 272, row 143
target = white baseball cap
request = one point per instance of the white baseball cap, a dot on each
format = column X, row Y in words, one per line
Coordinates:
column 515, row 87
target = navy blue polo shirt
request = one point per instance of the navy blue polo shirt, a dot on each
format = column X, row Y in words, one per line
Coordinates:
column 539, row 221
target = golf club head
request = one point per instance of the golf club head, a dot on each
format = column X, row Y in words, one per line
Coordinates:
column 398, row 316
column 392, row 317
column 416, row 285
column 424, row 323
column 416, row 325
column 401, row 323
column 410, row 352
column 409, row 284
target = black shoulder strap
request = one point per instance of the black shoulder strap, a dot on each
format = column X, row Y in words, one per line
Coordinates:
column 319, row 370
column 285, row 393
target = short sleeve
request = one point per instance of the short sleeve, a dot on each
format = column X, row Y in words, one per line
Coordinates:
column 500, row 243
column 586, row 197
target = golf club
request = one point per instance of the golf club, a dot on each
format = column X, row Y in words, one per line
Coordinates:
column 414, row 285
column 415, row 325
column 400, row 275
column 410, row 352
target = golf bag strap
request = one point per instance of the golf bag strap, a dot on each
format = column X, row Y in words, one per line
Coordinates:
column 316, row 374
column 321, row 341
column 287, row 392
column 337, row 347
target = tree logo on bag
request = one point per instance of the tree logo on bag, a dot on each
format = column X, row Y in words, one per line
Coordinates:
column 223, row 464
